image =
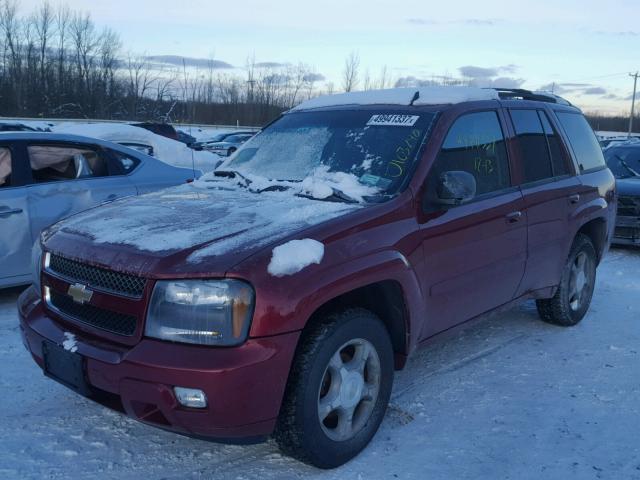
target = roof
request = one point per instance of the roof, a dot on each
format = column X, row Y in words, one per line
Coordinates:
column 402, row 96
column 435, row 95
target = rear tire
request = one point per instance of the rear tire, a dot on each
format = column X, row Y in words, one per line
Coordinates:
column 338, row 390
column 573, row 297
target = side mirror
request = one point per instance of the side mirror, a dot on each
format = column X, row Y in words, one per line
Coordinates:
column 455, row 187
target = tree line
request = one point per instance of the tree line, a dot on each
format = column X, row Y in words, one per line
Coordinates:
column 56, row 63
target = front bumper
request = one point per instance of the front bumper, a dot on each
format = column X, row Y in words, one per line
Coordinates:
column 244, row 385
column 627, row 231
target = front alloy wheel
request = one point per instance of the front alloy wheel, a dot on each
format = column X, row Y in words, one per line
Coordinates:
column 338, row 390
column 349, row 389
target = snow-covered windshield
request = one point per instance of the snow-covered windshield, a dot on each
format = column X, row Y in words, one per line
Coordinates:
column 378, row 147
column 624, row 162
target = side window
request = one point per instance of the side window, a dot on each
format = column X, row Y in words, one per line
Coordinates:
column 582, row 139
column 475, row 144
column 127, row 164
column 559, row 160
column 532, row 142
column 51, row 163
column 5, row 167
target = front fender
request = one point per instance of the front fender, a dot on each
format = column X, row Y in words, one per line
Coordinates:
column 286, row 304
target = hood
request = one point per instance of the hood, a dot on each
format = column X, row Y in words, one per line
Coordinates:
column 201, row 228
column 628, row 187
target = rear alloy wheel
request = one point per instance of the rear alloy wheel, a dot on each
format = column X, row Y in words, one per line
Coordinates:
column 573, row 297
column 338, row 390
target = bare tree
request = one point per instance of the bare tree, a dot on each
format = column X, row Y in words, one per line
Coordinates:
column 350, row 74
column 383, row 79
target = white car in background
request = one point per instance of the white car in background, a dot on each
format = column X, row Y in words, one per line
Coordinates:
column 165, row 149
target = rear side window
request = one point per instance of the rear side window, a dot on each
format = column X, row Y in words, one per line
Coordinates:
column 127, row 164
column 53, row 163
column 583, row 141
column 559, row 160
column 540, row 149
column 475, row 144
column 5, row 167
column 534, row 150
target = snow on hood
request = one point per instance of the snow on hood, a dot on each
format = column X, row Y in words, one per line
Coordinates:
column 165, row 149
column 213, row 215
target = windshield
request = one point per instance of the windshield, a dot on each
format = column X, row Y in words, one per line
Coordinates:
column 624, row 162
column 377, row 147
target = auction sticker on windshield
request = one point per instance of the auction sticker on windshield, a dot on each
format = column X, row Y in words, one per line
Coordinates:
column 394, row 119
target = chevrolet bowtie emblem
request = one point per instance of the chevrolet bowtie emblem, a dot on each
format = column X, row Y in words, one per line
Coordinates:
column 79, row 293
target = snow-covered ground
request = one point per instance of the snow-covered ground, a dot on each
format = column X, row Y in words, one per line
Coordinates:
column 510, row 398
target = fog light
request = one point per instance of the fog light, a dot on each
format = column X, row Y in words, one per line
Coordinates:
column 190, row 397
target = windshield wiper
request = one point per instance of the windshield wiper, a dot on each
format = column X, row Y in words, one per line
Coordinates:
column 275, row 187
column 336, row 196
column 232, row 174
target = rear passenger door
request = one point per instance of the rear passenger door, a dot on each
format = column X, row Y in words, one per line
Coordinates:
column 70, row 178
column 551, row 192
column 475, row 252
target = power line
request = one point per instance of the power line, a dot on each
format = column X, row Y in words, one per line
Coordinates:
column 600, row 76
column 633, row 101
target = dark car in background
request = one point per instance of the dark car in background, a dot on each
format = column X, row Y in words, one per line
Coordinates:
column 220, row 137
column 15, row 127
column 624, row 162
column 186, row 138
column 164, row 129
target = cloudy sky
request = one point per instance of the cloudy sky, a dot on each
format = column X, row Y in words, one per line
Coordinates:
column 584, row 49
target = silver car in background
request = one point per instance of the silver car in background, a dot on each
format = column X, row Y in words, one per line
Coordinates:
column 229, row 145
column 45, row 177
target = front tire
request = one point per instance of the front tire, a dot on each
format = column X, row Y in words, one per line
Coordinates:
column 573, row 297
column 338, row 391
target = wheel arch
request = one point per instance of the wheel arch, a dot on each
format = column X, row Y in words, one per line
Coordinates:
column 596, row 230
column 385, row 299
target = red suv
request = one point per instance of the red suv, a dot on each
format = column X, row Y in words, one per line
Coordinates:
column 278, row 294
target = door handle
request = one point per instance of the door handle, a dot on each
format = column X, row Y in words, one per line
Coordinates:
column 8, row 213
column 513, row 217
column 113, row 196
column 574, row 199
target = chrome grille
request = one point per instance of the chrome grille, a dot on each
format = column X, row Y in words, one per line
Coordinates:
column 98, row 278
column 114, row 322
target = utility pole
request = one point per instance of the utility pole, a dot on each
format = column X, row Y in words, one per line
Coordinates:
column 633, row 102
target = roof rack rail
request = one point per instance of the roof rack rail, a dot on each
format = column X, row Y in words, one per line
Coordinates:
column 522, row 94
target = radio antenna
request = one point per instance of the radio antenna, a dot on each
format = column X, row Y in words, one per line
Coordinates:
column 189, row 115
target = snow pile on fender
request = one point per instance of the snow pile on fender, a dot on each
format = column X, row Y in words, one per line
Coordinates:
column 295, row 255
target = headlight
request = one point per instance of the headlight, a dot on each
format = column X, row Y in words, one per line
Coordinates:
column 205, row 312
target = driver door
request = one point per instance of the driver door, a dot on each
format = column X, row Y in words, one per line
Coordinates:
column 475, row 253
